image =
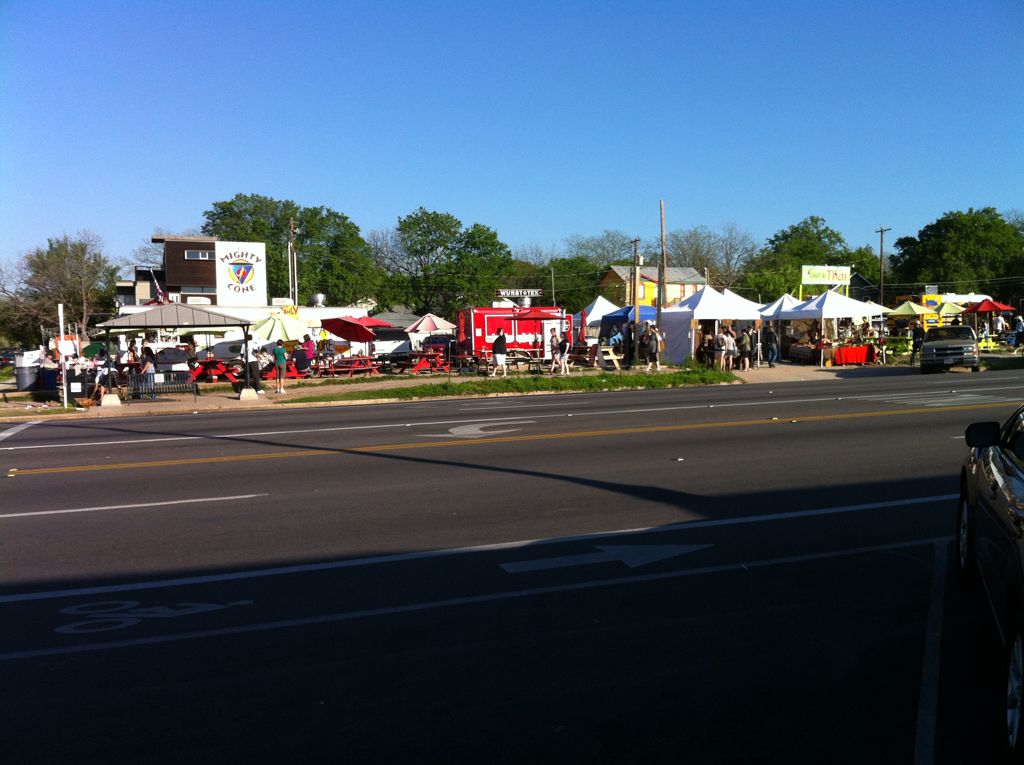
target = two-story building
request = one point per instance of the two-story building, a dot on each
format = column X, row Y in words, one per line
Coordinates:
column 617, row 284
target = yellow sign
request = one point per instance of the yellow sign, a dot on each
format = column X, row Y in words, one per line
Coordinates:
column 831, row 275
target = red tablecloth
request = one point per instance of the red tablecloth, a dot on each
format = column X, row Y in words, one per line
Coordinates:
column 853, row 354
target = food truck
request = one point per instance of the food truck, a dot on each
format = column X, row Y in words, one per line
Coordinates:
column 526, row 329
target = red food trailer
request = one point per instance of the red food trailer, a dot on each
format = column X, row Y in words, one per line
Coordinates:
column 527, row 329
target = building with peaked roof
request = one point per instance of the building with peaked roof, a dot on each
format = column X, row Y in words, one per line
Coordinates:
column 680, row 283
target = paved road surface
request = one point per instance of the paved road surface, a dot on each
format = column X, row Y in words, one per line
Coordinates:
column 733, row 574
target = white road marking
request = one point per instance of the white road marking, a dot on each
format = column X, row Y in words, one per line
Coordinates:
column 132, row 507
column 928, row 697
column 17, row 429
column 425, row 554
column 470, row 600
column 600, row 413
column 476, row 430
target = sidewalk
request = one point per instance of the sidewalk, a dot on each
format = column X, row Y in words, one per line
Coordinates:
column 20, row 408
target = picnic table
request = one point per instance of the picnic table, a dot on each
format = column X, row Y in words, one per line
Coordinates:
column 424, row 361
column 348, row 366
column 291, row 372
column 211, row 369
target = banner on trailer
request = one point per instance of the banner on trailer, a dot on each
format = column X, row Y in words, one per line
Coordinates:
column 241, row 273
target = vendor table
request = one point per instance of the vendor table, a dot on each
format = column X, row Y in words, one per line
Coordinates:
column 853, row 354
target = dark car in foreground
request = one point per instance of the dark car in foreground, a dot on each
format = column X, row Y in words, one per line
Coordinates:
column 990, row 545
column 946, row 347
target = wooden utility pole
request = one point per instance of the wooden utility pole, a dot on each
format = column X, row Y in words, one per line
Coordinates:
column 881, row 263
column 293, row 265
column 636, row 298
column 662, row 267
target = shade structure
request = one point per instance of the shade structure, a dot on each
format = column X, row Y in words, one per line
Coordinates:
column 626, row 314
column 430, row 323
column 880, row 310
column 535, row 314
column 708, row 304
column 773, row 309
column 348, row 329
column 910, row 309
column 949, row 309
column 371, row 323
column 280, row 327
column 988, row 306
column 174, row 315
column 597, row 308
column 828, row 305
column 740, row 300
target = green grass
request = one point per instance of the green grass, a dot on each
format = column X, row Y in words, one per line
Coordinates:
column 1005, row 362
column 531, row 384
column 6, row 373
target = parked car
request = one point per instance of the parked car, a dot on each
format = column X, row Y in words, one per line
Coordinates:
column 443, row 343
column 990, row 546
column 946, row 347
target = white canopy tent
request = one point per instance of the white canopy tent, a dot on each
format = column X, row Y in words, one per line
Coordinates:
column 740, row 299
column 771, row 311
column 706, row 304
column 598, row 308
column 830, row 305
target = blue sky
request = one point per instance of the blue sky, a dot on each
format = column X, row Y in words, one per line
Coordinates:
column 542, row 120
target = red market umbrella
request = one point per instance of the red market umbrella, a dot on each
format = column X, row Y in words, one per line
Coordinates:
column 988, row 306
column 371, row 323
column 535, row 314
column 583, row 326
column 349, row 329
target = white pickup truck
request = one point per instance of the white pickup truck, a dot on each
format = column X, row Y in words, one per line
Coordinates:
column 946, row 347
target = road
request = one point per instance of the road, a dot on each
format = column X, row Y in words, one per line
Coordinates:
column 720, row 575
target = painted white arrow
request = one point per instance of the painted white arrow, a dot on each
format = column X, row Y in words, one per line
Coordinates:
column 633, row 556
column 476, row 430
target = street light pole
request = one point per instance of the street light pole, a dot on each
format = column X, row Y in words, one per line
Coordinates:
column 881, row 263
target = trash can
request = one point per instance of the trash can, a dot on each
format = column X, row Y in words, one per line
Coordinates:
column 25, row 378
column 48, row 379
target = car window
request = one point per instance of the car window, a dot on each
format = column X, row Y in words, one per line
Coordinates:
column 1012, row 440
column 950, row 333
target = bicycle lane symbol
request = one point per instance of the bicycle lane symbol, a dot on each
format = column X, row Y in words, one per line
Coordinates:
column 118, row 614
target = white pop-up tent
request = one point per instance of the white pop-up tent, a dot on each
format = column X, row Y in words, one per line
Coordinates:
column 598, row 308
column 739, row 299
column 771, row 311
column 829, row 305
column 706, row 304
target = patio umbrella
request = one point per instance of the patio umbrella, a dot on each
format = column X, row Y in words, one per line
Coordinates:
column 949, row 309
column 371, row 323
column 280, row 327
column 349, row 329
column 910, row 309
column 430, row 323
column 535, row 313
column 988, row 306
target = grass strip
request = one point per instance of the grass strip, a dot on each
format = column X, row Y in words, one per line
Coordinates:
column 478, row 387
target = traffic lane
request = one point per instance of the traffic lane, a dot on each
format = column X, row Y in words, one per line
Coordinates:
column 75, row 613
column 352, row 504
column 622, row 419
column 779, row 664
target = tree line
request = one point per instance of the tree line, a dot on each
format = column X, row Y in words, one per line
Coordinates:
column 432, row 261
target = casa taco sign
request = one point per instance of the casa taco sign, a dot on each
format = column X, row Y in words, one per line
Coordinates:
column 241, row 273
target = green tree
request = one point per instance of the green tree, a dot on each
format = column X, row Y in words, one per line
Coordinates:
column 433, row 264
column 69, row 270
column 961, row 251
column 776, row 267
column 332, row 256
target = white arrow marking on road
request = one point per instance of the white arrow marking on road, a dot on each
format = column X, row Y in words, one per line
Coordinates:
column 475, row 430
column 633, row 556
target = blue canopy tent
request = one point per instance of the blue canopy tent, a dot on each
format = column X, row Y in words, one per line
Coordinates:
column 623, row 315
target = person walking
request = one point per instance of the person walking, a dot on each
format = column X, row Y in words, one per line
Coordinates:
column 916, row 341
column 771, row 342
column 499, row 350
column 654, row 343
column 553, row 344
column 254, row 366
column 281, row 364
column 563, row 353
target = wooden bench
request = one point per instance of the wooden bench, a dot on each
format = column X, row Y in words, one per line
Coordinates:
column 136, row 387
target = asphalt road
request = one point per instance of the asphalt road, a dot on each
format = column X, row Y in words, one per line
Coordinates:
column 723, row 575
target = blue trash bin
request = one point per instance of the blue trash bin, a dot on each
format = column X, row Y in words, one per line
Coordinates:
column 48, row 379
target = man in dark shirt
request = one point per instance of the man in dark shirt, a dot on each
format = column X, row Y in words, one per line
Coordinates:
column 499, row 349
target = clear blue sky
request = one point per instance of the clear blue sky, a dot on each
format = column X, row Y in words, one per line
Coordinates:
column 539, row 119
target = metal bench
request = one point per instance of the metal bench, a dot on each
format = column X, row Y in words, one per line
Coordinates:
column 136, row 387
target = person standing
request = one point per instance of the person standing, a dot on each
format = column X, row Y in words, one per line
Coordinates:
column 254, row 365
column 553, row 344
column 281, row 364
column 563, row 353
column 148, row 371
column 654, row 342
column 916, row 341
column 309, row 347
column 771, row 342
column 743, row 345
column 730, row 349
column 499, row 350
column 627, row 344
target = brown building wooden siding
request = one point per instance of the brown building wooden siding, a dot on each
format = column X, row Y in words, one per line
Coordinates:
column 190, row 273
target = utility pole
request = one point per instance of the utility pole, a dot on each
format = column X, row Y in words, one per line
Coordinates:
column 553, row 286
column 293, row 265
column 881, row 263
column 635, row 339
column 662, row 267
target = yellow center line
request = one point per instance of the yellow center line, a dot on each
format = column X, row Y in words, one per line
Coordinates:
column 13, row 472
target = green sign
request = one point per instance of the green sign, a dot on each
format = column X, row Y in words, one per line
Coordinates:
column 825, row 275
